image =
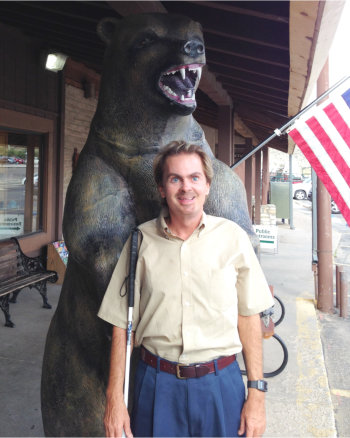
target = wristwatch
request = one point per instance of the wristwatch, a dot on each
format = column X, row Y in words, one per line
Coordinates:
column 261, row 385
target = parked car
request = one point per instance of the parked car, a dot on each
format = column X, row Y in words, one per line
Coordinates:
column 334, row 207
column 19, row 160
column 11, row 160
column 301, row 189
column 35, row 179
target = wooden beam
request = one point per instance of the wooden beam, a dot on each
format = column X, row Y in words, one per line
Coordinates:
column 125, row 8
column 255, row 58
column 257, row 81
column 228, row 68
column 260, row 120
column 245, row 64
column 241, row 11
column 232, row 87
column 241, row 98
column 212, row 88
column 243, row 130
column 233, row 36
column 312, row 28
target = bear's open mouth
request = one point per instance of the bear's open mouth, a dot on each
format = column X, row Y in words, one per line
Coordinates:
column 180, row 83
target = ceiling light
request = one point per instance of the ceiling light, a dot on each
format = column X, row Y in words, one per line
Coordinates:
column 55, row 61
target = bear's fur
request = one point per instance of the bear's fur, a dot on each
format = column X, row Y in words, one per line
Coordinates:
column 111, row 191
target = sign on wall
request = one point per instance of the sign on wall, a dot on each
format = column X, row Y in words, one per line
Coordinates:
column 267, row 236
column 11, row 225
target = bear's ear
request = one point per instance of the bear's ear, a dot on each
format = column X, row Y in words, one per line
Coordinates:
column 106, row 28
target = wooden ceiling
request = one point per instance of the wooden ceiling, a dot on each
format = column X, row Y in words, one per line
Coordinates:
column 247, row 49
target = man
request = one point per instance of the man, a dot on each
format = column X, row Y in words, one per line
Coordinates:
column 199, row 290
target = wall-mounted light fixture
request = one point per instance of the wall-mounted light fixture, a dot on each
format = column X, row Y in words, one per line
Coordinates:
column 55, row 61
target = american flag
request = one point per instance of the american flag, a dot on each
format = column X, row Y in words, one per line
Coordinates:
column 323, row 135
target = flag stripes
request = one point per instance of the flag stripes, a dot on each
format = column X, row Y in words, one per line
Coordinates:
column 329, row 147
column 323, row 135
column 338, row 122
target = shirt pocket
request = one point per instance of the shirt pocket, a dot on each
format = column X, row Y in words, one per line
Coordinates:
column 222, row 294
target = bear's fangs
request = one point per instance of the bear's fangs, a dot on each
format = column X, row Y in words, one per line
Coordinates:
column 180, row 83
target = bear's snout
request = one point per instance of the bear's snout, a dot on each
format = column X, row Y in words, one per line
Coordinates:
column 193, row 48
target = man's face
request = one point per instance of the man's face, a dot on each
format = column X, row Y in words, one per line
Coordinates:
column 185, row 186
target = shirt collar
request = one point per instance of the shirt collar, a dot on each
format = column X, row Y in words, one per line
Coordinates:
column 165, row 229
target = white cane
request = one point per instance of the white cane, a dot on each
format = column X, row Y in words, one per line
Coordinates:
column 131, row 289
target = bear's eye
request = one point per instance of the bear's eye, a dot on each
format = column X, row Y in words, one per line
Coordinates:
column 145, row 41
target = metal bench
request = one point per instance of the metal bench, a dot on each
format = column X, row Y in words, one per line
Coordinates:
column 18, row 271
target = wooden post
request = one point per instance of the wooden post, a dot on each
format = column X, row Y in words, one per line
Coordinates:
column 343, row 295
column 338, row 270
column 225, row 135
column 248, row 177
column 265, row 176
column 324, row 228
column 257, row 187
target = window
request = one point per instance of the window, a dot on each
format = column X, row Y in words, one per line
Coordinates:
column 21, row 188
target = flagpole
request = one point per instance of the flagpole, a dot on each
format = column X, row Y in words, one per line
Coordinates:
column 280, row 131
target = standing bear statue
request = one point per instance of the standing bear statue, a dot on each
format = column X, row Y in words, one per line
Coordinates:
column 151, row 71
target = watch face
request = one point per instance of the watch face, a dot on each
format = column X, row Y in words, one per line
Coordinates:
column 262, row 385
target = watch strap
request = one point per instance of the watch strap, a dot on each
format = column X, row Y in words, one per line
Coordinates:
column 261, row 385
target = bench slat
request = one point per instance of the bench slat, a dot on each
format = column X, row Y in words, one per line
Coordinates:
column 7, row 246
column 12, row 255
column 21, row 282
column 10, row 269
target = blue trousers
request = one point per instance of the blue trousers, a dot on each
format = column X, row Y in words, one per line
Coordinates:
column 208, row 406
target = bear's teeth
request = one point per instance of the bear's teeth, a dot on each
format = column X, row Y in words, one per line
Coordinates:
column 189, row 93
column 169, row 90
column 182, row 97
column 198, row 71
column 183, row 73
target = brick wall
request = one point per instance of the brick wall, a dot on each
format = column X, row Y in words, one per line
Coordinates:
column 79, row 112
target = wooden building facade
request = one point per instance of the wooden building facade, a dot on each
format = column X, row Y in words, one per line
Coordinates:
column 45, row 116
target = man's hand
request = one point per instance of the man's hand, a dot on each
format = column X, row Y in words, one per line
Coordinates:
column 253, row 421
column 116, row 419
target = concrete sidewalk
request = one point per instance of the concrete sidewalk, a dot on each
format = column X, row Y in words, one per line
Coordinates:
column 299, row 401
column 308, row 399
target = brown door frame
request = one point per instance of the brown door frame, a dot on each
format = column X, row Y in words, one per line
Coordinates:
column 33, row 123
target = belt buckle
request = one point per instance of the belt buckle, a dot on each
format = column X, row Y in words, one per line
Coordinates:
column 178, row 365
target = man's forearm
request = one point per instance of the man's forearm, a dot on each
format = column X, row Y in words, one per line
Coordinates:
column 116, row 416
column 117, row 362
column 253, row 421
column 249, row 328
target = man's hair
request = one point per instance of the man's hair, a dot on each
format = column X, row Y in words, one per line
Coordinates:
column 176, row 148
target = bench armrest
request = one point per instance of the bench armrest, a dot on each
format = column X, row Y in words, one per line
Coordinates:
column 31, row 264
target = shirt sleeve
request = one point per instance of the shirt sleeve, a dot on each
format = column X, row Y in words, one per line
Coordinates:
column 114, row 307
column 253, row 292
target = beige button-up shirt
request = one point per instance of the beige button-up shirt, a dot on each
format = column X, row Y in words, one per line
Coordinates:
column 188, row 293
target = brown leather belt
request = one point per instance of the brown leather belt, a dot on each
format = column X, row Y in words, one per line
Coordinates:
column 185, row 371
